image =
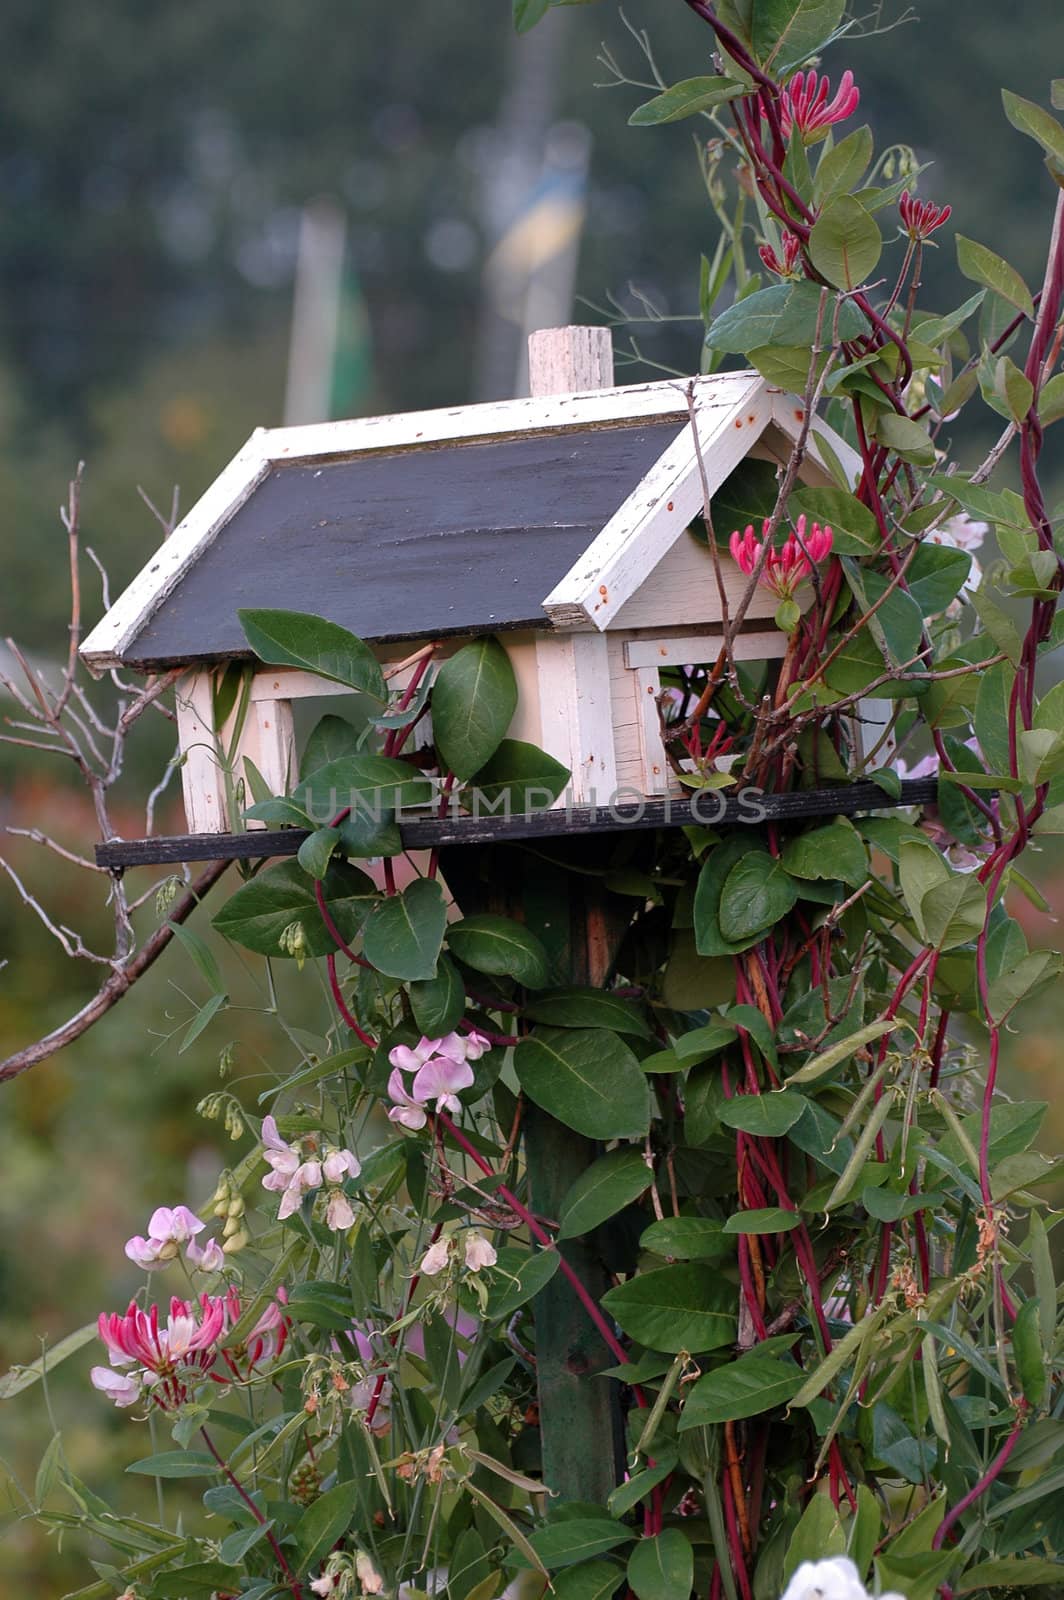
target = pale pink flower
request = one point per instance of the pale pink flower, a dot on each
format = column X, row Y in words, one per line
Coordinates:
column 369, row 1578
column 338, row 1213
column 440, row 1079
column 804, row 104
column 323, row 1585
column 926, row 767
column 410, row 1060
column 340, row 1164
column 208, row 1258
column 307, row 1176
column 168, row 1229
column 124, row 1388
column 475, row 1045
column 283, row 1158
column 435, row 1258
column 784, row 569
column 478, row 1251
column 406, row 1111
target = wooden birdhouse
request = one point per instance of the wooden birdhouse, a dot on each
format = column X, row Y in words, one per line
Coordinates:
column 559, row 524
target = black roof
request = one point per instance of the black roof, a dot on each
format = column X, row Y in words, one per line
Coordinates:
column 420, row 542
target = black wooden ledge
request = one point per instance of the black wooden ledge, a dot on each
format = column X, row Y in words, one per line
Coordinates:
column 748, row 808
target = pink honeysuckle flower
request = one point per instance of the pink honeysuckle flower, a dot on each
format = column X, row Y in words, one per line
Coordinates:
column 790, row 264
column 440, row 1079
column 784, row 569
column 406, row 1111
column 266, row 1340
column 478, row 1252
column 340, row 1164
column 804, row 104
column 206, row 1258
column 124, row 1388
column 186, row 1348
column 435, row 1258
column 410, row 1060
column 920, row 218
column 339, row 1215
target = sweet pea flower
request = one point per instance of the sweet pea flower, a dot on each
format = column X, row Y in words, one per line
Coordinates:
column 339, row 1215
column 440, row 1079
column 307, row 1176
column 207, row 1258
column 435, row 1258
column 475, row 1045
column 478, row 1252
column 369, row 1578
column 124, row 1388
column 323, row 1585
column 406, row 1111
column 410, row 1060
column 284, row 1159
column 340, row 1164
column 168, row 1229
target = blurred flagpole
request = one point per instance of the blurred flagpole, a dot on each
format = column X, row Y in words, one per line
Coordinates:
column 329, row 347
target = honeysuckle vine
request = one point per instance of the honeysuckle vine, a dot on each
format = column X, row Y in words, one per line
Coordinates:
column 809, row 1250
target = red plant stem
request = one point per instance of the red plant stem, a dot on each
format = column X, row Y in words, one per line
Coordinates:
column 544, row 1239
column 997, row 1466
column 735, row 1538
column 341, row 1005
column 291, row 1580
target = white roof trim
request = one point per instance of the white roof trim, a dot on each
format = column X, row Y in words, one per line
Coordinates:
column 269, row 447
column 658, row 511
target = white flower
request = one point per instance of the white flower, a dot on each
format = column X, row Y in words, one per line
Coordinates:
column 208, row 1258
column 478, row 1252
column 369, row 1578
column 121, row 1387
column 835, row 1579
column 323, row 1585
column 436, row 1258
column 340, row 1164
column 338, row 1213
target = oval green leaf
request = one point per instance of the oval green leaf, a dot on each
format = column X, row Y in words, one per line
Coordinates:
column 845, row 244
column 258, row 914
column 675, row 1308
column 587, row 1078
column 473, row 701
column 404, row 935
column 605, row 1188
column 501, row 947
column 296, row 639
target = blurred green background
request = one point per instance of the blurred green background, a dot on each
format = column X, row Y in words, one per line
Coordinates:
column 157, row 168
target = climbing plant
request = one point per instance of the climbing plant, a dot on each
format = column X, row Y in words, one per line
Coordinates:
column 808, row 1258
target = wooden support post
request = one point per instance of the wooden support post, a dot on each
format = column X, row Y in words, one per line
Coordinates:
column 580, row 1424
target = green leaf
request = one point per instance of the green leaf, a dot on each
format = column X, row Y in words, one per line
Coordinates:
column 204, row 1016
column 845, row 244
column 594, row 1580
column 1017, row 1574
column 702, row 1043
column 606, row 1187
column 18, row 1378
column 785, row 314
column 767, row 1219
column 501, row 947
column 855, row 531
column 576, row 1539
column 936, row 575
column 675, row 1308
column 371, row 785
column 906, row 438
column 834, row 851
column 438, row 1003
column 1036, row 122
column 517, row 780
column 176, row 1464
column 688, row 1239
column 920, row 869
column 316, row 851
column 526, row 13
column 473, row 702
column 258, row 914
column 953, row 912
column 818, row 1536
column 662, row 1567
column 1051, row 400
column 321, row 1303
column 198, row 1577
column 201, row 955
column 992, row 715
column 756, row 894
column 295, row 639
column 981, row 265
column 404, row 935
column 787, row 32
column 331, row 739
column 842, row 166
column 324, row 1522
column 588, row 1008
column 769, row 1116
column 684, row 100
column 997, row 622
column 743, row 1388
column 235, row 1547
column 587, row 1078
column 523, row 1273
column 933, row 330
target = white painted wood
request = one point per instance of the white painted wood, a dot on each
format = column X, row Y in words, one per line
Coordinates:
column 702, row 649
column 202, row 774
column 655, row 773
column 788, row 414
column 682, row 588
column 269, row 740
column 568, row 360
column 114, row 632
column 644, row 529
column 575, row 713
